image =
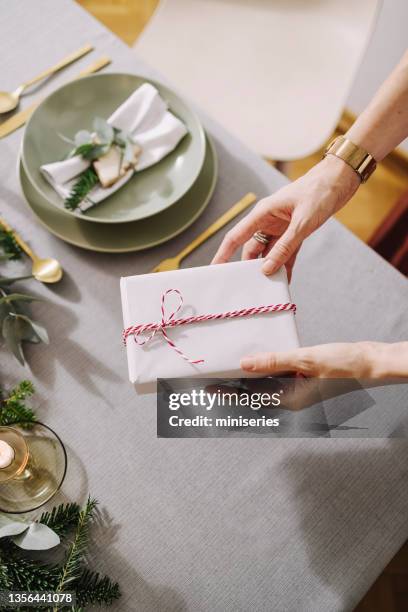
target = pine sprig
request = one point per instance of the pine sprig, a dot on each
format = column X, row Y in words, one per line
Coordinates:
column 91, row 151
column 13, row 410
column 85, row 183
column 95, row 589
column 17, row 572
column 9, row 245
column 28, row 575
column 5, row 581
column 62, row 518
column 23, row 390
column 72, row 567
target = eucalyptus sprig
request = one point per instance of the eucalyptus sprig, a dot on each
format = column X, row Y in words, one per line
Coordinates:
column 92, row 146
column 95, row 144
column 17, row 326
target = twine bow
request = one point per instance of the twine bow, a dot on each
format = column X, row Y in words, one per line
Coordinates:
column 171, row 321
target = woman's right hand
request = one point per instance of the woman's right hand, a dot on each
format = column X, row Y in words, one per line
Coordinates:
column 291, row 214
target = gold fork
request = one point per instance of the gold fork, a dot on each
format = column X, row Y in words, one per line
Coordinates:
column 173, row 263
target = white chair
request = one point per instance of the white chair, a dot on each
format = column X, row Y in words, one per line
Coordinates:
column 276, row 73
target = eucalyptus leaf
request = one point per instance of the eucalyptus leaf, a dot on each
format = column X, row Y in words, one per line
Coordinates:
column 37, row 537
column 12, row 338
column 19, row 297
column 120, row 139
column 4, row 311
column 4, row 280
column 82, row 137
column 12, row 529
column 38, row 329
column 24, row 329
column 103, row 129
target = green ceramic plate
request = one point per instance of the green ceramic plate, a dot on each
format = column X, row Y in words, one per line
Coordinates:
column 133, row 236
column 73, row 107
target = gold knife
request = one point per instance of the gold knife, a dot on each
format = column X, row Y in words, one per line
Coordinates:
column 19, row 119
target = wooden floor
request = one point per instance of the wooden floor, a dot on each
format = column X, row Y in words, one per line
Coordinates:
column 389, row 593
column 126, row 18
column 362, row 215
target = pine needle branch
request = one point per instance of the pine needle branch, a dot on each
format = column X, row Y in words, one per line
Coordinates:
column 25, row 575
column 9, row 245
column 62, row 518
column 95, row 589
column 21, row 391
column 13, row 409
column 5, row 581
column 72, row 567
column 85, row 183
column 19, row 573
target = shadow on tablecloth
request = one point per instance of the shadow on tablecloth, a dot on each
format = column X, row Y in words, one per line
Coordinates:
column 342, row 499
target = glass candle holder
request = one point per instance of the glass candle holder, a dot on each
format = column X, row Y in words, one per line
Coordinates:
column 33, row 465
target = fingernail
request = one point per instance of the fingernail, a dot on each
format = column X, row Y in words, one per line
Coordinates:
column 268, row 267
column 248, row 363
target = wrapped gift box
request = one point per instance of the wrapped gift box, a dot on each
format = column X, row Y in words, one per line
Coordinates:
column 219, row 343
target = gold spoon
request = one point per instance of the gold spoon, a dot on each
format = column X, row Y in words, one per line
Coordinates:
column 9, row 100
column 47, row 270
column 173, row 263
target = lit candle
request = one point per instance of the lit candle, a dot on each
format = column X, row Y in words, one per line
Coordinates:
column 6, row 454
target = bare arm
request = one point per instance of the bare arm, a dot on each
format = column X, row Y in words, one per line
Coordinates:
column 384, row 123
column 291, row 214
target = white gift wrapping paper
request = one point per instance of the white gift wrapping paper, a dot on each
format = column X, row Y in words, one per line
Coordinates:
column 222, row 343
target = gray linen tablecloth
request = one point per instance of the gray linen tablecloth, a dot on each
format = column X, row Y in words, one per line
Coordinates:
column 214, row 525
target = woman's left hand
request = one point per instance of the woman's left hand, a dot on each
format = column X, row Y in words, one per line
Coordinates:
column 342, row 360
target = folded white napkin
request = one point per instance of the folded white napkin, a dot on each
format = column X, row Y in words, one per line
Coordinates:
column 145, row 117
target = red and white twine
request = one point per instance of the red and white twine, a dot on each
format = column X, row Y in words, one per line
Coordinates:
column 171, row 321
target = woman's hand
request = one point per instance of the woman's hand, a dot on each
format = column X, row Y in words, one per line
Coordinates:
column 341, row 360
column 294, row 212
column 291, row 214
